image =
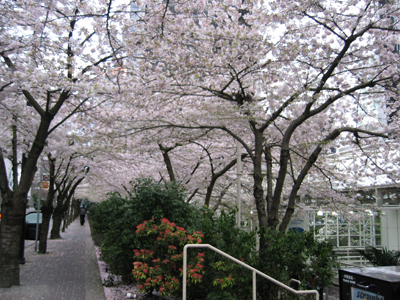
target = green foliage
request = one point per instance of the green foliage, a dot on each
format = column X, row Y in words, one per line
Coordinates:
column 223, row 278
column 381, row 257
column 296, row 255
column 222, row 233
column 102, row 215
column 157, row 200
column 160, row 267
column 285, row 256
column 116, row 219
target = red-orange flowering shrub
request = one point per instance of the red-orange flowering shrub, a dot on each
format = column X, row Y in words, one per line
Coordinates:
column 161, row 267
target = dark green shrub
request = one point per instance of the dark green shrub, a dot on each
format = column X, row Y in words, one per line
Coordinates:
column 116, row 220
column 381, row 257
column 290, row 255
column 295, row 255
column 102, row 215
column 157, row 200
column 97, row 236
column 224, row 279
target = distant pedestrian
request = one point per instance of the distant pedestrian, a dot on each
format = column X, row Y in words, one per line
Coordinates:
column 82, row 213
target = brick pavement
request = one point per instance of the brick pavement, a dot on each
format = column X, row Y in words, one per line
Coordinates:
column 68, row 271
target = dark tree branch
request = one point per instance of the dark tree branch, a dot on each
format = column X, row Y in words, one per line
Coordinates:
column 311, row 161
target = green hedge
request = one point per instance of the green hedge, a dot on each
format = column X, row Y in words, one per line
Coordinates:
column 114, row 221
column 290, row 255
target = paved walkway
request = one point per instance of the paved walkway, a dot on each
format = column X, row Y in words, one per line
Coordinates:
column 68, row 271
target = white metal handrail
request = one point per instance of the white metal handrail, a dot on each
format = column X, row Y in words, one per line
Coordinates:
column 255, row 272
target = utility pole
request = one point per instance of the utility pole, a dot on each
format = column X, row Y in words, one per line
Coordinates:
column 239, row 184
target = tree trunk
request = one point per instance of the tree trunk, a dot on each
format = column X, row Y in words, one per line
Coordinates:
column 167, row 161
column 46, row 217
column 13, row 213
column 67, row 214
column 258, row 190
column 47, row 208
column 13, row 216
column 57, row 219
column 76, row 208
column 64, row 222
column 268, row 290
column 210, row 188
column 62, row 208
column 58, row 214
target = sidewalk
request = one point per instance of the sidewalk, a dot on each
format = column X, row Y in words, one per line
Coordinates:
column 68, row 271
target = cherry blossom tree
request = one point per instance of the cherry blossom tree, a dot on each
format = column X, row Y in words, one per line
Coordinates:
column 66, row 188
column 201, row 160
column 169, row 88
column 290, row 81
column 53, row 54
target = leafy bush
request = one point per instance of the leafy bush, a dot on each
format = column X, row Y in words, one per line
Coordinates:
column 102, row 215
column 160, row 267
column 116, row 219
column 296, row 255
column 290, row 255
column 224, row 279
column 157, row 200
column 381, row 257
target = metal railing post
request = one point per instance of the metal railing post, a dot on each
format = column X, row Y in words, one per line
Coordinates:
column 254, row 285
column 184, row 270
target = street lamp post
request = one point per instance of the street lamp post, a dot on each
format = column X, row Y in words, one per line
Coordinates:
column 22, row 259
column 239, row 184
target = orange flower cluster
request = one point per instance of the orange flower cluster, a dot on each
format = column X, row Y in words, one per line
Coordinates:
column 159, row 269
